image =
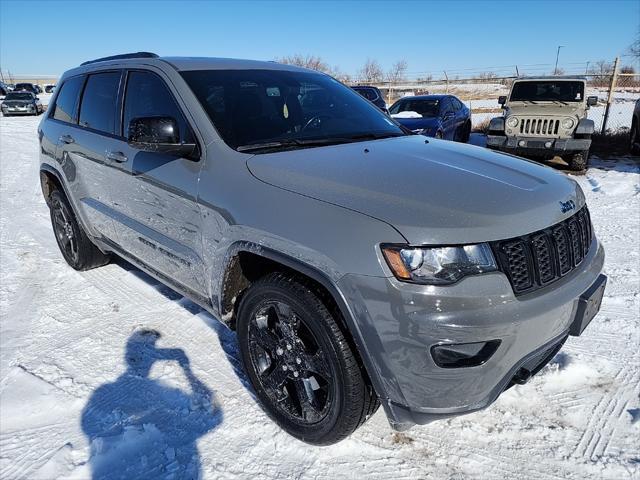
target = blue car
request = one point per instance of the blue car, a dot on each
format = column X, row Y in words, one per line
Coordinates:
column 439, row 116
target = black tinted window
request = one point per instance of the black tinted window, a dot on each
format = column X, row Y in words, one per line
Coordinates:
column 423, row 107
column 19, row 96
column 457, row 105
column 250, row 107
column 98, row 107
column 547, row 91
column 148, row 96
column 368, row 93
column 67, row 101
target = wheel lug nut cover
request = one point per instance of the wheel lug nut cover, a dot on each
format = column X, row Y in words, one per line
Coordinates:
column 284, row 367
column 295, row 374
column 288, row 346
column 298, row 361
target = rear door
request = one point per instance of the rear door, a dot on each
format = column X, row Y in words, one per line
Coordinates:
column 84, row 137
column 158, row 218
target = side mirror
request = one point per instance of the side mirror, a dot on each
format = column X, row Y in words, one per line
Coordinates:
column 502, row 99
column 592, row 101
column 158, row 134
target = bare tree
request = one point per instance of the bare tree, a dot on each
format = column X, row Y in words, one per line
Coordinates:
column 398, row 72
column 628, row 69
column 601, row 67
column 634, row 48
column 313, row 62
column 371, row 72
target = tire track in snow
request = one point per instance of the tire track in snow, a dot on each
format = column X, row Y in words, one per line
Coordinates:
column 600, row 416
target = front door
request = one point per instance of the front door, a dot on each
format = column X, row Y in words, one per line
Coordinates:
column 158, row 219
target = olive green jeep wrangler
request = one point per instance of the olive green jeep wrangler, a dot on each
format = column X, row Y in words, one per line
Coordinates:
column 544, row 118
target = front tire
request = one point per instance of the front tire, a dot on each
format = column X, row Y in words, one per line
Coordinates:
column 303, row 370
column 579, row 162
column 76, row 248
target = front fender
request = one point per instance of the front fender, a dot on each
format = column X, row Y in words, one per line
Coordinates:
column 585, row 127
column 496, row 124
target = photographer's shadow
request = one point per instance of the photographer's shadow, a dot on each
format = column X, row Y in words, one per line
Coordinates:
column 139, row 428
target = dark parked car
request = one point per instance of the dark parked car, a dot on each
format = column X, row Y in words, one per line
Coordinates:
column 374, row 95
column 49, row 88
column 26, row 87
column 21, row 103
column 635, row 129
column 439, row 116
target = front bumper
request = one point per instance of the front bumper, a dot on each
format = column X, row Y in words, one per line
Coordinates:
column 14, row 111
column 536, row 145
column 400, row 322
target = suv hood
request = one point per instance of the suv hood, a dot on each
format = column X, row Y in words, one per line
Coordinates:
column 438, row 192
column 544, row 108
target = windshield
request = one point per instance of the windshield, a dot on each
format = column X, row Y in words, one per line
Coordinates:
column 368, row 93
column 19, row 96
column 420, row 107
column 275, row 107
column 547, row 91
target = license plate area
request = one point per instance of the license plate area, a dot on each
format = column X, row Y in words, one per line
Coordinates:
column 588, row 306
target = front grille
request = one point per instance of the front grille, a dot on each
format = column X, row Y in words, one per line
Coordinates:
column 539, row 126
column 540, row 258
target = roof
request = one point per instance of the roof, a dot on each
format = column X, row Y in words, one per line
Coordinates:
column 551, row 77
column 439, row 96
column 190, row 63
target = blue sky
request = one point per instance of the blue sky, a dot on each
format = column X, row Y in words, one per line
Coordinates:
column 49, row 37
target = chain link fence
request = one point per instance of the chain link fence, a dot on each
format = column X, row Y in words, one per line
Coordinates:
column 617, row 94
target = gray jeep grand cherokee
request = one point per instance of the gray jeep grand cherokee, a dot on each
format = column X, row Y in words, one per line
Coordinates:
column 359, row 264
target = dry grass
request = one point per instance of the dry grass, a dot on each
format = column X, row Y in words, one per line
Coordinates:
column 482, row 127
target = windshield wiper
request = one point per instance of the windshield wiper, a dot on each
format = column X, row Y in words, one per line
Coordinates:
column 313, row 142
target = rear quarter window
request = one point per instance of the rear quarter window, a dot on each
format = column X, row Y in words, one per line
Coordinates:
column 65, row 107
column 99, row 100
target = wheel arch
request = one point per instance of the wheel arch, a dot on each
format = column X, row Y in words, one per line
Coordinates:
column 50, row 180
column 249, row 261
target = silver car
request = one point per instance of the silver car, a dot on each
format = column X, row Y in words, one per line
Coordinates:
column 358, row 263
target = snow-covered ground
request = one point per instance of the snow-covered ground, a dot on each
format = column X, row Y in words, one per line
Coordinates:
column 64, row 376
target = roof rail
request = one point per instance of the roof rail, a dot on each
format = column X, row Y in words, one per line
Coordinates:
column 122, row 57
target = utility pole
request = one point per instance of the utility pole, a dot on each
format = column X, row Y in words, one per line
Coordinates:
column 612, row 86
column 555, row 70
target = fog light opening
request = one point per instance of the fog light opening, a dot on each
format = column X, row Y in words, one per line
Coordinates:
column 548, row 144
column 463, row 354
column 522, row 143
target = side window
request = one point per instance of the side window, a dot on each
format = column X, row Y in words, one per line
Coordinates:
column 148, row 96
column 445, row 106
column 457, row 105
column 65, row 107
column 98, row 105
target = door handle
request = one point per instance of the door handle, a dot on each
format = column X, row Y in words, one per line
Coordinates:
column 66, row 139
column 117, row 157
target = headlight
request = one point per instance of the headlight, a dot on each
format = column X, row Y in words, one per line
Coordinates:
column 568, row 123
column 438, row 265
column 512, row 122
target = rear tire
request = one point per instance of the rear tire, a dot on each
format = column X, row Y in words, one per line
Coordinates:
column 303, row 370
column 76, row 248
